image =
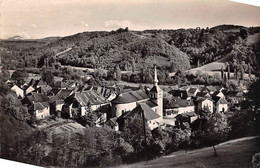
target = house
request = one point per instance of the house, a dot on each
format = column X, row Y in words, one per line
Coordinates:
column 38, row 83
column 127, row 101
column 140, row 111
column 168, row 89
column 189, row 117
column 204, row 103
column 18, row 91
column 34, row 98
column 211, row 89
column 204, row 93
column 40, row 110
column 84, row 102
column 183, row 94
column 221, row 105
column 62, row 85
column 44, row 89
column 27, row 89
column 109, row 94
column 177, row 106
column 218, row 94
column 38, row 105
column 33, row 77
column 112, row 123
column 57, row 101
column 192, row 92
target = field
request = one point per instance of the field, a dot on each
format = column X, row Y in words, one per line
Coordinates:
column 232, row 154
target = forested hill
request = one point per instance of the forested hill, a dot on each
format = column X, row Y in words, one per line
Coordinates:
column 169, row 49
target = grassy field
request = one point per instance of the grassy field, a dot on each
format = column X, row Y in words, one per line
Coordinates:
column 232, row 154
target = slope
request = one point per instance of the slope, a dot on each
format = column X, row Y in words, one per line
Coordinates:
column 236, row 153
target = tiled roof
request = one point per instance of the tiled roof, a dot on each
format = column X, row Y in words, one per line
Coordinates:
column 61, row 84
column 151, row 103
column 37, row 97
column 111, row 121
column 45, row 88
column 64, row 93
column 105, row 92
column 211, row 88
column 179, row 93
column 149, row 114
column 38, row 106
column 132, row 96
column 188, row 114
column 89, row 96
column 201, row 99
column 178, row 102
column 192, row 90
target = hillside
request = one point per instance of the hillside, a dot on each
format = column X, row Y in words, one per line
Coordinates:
column 121, row 48
column 170, row 49
column 244, row 149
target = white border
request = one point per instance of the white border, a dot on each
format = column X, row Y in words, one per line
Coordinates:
column 8, row 163
column 248, row 2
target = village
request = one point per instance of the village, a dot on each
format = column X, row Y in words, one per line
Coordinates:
column 113, row 105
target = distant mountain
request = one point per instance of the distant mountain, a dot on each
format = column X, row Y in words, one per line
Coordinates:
column 227, row 27
column 16, row 38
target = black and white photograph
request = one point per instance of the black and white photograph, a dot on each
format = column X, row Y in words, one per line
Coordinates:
column 130, row 83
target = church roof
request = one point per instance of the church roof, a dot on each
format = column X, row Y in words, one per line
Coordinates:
column 151, row 103
column 149, row 114
column 132, row 96
column 155, row 88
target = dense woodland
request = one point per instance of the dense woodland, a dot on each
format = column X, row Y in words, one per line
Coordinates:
column 171, row 50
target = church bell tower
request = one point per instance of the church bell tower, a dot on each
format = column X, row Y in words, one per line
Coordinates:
column 156, row 95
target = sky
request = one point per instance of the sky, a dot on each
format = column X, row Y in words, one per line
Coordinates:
column 33, row 19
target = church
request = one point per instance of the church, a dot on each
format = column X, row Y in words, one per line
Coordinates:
column 139, row 102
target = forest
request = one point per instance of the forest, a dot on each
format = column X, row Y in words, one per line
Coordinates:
column 171, row 50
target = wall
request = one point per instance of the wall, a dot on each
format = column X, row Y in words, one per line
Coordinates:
column 219, row 107
column 206, row 103
column 40, row 114
column 18, row 91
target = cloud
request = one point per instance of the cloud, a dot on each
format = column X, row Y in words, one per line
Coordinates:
column 34, row 25
column 81, row 23
column 117, row 23
column 124, row 23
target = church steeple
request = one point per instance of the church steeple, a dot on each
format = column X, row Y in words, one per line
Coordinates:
column 155, row 76
column 156, row 95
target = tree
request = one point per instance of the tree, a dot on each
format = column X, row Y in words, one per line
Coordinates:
column 133, row 65
column 243, row 33
column 228, row 67
column 216, row 130
column 48, row 77
column 4, row 75
column 20, row 76
column 249, row 71
column 222, row 73
column 235, row 73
